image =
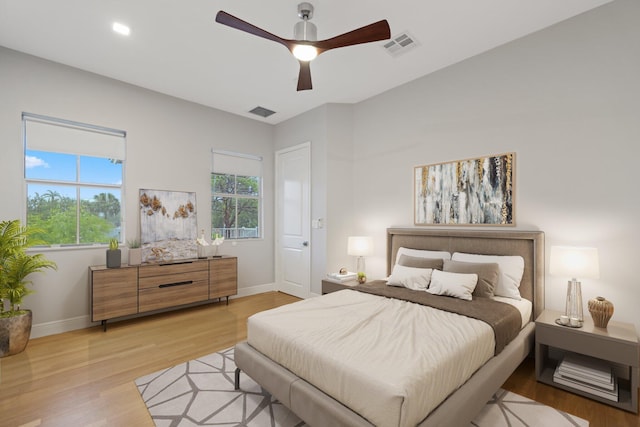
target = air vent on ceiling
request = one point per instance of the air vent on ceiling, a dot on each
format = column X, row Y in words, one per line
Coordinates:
column 262, row 112
column 400, row 44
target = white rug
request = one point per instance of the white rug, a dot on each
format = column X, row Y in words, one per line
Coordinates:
column 200, row 393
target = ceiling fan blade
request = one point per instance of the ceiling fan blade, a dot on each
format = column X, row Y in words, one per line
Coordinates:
column 370, row 33
column 304, row 77
column 224, row 18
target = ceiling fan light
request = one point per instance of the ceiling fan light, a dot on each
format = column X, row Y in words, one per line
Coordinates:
column 305, row 52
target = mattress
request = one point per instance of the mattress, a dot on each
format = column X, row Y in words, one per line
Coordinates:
column 418, row 355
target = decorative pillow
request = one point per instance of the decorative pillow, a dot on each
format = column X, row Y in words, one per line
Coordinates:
column 419, row 253
column 418, row 262
column 511, row 271
column 453, row 284
column 413, row 278
column 488, row 275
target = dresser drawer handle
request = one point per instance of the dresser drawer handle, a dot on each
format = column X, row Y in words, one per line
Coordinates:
column 168, row 285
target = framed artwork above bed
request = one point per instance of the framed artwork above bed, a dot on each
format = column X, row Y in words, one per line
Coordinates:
column 465, row 192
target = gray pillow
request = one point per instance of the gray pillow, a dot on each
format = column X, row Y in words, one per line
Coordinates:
column 419, row 262
column 488, row 275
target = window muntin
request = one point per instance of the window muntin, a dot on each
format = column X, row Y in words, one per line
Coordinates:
column 74, row 181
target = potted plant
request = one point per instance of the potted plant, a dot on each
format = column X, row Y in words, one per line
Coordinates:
column 135, row 252
column 114, row 259
column 15, row 266
column 362, row 277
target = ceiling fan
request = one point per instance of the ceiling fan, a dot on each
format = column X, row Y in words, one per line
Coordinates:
column 304, row 46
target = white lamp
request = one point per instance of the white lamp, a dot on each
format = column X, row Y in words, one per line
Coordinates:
column 360, row 246
column 574, row 262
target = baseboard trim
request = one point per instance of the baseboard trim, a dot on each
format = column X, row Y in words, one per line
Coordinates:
column 254, row 290
column 60, row 326
column 81, row 322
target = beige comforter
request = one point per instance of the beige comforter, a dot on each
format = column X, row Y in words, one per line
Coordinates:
column 403, row 361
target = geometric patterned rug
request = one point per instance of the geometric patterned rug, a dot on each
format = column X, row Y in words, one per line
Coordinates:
column 507, row 409
column 201, row 393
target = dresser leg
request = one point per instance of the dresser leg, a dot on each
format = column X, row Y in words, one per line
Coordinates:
column 104, row 325
column 237, row 383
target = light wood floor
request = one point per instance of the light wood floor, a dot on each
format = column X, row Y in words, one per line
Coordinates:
column 85, row 377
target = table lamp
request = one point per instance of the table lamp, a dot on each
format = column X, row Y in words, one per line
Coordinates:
column 574, row 262
column 360, row 246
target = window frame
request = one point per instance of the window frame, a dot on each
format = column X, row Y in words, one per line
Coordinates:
column 216, row 169
column 77, row 185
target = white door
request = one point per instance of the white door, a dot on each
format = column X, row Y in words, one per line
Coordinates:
column 293, row 247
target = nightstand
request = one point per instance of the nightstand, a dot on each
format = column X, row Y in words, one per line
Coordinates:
column 329, row 286
column 617, row 345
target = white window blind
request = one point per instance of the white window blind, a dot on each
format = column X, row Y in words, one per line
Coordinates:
column 236, row 163
column 42, row 134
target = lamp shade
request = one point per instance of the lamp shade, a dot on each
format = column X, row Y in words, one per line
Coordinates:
column 574, row 262
column 360, row 246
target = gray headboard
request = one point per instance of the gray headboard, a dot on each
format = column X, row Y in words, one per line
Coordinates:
column 528, row 244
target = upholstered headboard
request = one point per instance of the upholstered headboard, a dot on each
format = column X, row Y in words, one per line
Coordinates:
column 528, row 244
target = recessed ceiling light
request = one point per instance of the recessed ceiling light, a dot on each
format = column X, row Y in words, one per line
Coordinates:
column 121, row 29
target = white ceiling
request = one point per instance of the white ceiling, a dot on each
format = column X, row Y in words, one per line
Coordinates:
column 177, row 48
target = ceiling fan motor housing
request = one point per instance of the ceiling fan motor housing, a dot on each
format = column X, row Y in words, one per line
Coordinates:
column 305, row 30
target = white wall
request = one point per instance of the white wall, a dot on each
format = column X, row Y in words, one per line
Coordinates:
column 567, row 101
column 329, row 128
column 311, row 127
column 168, row 147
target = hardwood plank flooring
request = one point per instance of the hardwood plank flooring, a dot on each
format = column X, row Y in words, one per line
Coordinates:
column 85, row 377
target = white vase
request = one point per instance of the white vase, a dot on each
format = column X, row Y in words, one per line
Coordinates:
column 135, row 256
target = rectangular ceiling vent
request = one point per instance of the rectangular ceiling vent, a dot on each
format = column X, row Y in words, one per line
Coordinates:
column 262, row 112
column 400, row 44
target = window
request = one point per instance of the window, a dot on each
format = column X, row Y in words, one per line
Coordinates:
column 236, row 196
column 73, row 175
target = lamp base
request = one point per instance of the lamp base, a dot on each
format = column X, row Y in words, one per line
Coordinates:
column 601, row 311
column 360, row 265
column 573, row 308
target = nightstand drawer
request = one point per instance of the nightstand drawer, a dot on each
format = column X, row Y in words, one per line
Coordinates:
column 592, row 345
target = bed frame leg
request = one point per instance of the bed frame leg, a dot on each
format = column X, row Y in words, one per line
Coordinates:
column 237, row 383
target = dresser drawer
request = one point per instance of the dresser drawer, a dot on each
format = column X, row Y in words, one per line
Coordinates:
column 170, row 295
column 149, row 270
column 173, row 279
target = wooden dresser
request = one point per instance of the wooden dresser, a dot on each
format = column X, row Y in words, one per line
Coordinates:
column 131, row 290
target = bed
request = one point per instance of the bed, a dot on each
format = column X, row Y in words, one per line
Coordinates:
column 457, row 407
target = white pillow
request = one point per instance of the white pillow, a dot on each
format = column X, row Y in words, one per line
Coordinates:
column 457, row 285
column 511, row 271
column 410, row 277
column 422, row 254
